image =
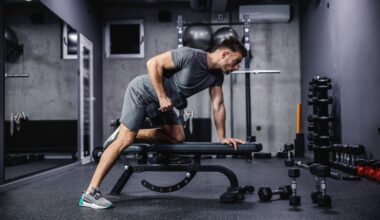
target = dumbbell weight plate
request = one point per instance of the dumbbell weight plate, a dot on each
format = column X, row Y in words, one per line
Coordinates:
column 249, row 189
column 314, row 196
column 295, row 200
column 286, row 191
column 324, row 201
column 289, row 163
column 265, row 194
column 97, row 153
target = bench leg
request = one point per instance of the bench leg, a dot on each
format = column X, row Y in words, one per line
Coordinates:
column 122, row 181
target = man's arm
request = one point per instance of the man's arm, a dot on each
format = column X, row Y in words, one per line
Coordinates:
column 219, row 112
column 156, row 66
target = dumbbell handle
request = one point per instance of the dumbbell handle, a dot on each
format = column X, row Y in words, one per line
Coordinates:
column 302, row 165
column 294, row 187
column 277, row 191
column 335, row 175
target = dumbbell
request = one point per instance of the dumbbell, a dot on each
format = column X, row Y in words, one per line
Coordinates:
column 318, row 137
column 321, row 79
column 97, row 154
column 317, row 192
column 289, row 160
column 266, row 193
column 311, row 145
column 372, row 172
column 377, row 175
column 313, row 118
column 310, row 126
column 294, row 200
column 368, row 168
column 337, row 152
column 178, row 100
column 321, row 171
column 356, row 150
column 317, row 101
column 360, row 164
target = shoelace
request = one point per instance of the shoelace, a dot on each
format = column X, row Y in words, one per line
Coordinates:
column 97, row 194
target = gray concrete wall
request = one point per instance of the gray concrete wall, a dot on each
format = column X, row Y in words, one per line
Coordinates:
column 274, row 97
column 51, row 90
column 341, row 40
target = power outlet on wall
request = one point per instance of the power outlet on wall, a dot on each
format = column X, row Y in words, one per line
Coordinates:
column 258, row 128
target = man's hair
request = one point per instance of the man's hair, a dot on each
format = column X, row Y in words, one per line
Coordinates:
column 233, row 44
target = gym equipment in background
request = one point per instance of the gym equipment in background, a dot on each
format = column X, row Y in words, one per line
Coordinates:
column 319, row 196
column 199, row 37
column 299, row 142
column 13, row 49
column 221, row 34
column 320, row 131
column 344, row 157
column 368, row 168
column 294, row 199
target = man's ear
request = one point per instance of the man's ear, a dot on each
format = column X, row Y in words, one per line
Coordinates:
column 225, row 53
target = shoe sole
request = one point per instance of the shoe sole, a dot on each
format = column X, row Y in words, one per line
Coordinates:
column 92, row 205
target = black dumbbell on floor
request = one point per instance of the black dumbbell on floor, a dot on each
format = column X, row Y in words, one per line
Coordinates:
column 266, row 193
column 294, row 200
column 320, row 197
column 317, row 184
column 178, row 100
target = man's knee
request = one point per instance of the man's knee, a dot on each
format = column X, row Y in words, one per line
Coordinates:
column 120, row 144
column 179, row 137
column 124, row 139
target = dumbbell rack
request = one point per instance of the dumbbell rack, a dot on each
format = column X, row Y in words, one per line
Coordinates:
column 344, row 157
column 319, row 123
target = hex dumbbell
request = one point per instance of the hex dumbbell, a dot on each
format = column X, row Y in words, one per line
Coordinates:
column 294, row 200
column 178, row 100
column 321, row 198
column 266, row 193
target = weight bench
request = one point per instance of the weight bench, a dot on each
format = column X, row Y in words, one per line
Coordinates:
column 234, row 193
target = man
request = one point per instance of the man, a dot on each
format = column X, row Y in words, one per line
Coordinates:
column 183, row 70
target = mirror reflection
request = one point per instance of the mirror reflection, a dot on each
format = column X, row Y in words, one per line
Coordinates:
column 41, row 90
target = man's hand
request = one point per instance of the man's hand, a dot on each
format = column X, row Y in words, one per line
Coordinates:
column 233, row 142
column 165, row 104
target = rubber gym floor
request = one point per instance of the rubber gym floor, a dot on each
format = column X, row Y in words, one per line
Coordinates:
column 57, row 197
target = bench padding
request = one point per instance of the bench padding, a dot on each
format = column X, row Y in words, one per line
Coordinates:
column 195, row 148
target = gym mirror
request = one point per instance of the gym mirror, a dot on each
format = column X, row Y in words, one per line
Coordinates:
column 41, row 90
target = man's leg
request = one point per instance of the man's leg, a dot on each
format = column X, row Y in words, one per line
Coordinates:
column 92, row 197
column 174, row 132
column 111, row 154
column 165, row 133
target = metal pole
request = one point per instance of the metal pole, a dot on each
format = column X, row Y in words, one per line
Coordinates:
column 247, row 60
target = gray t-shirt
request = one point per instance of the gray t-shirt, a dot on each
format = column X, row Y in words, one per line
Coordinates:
column 191, row 72
column 190, row 75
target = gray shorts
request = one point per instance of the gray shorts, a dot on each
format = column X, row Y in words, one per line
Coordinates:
column 137, row 96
